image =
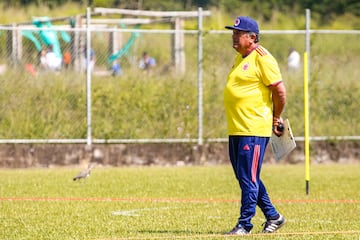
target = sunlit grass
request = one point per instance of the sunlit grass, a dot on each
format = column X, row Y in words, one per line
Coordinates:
column 173, row 202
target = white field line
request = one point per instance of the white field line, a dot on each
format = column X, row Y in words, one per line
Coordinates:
column 136, row 212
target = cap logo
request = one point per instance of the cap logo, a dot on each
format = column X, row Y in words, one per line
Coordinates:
column 237, row 22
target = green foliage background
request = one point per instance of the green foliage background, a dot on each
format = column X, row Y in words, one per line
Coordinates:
column 163, row 104
column 325, row 12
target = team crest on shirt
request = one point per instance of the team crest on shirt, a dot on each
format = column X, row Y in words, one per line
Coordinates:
column 245, row 66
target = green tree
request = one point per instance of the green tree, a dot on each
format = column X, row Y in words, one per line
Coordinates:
column 326, row 10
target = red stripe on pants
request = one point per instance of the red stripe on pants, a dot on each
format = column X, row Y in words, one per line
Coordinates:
column 255, row 163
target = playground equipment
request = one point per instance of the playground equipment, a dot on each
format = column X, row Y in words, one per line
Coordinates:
column 48, row 36
column 176, row 19
column 125, row 49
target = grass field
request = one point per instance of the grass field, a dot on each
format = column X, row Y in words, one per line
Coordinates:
column 198, row 202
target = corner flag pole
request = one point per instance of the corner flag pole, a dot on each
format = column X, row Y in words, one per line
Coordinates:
column 306, row 116
column 306, row 102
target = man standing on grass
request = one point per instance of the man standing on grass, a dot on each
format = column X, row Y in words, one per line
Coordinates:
column 254, row 98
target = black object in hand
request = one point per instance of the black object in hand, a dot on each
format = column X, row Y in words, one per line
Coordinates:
column 280, row 127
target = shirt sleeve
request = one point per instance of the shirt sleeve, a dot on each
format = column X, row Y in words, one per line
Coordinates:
column 269, row 69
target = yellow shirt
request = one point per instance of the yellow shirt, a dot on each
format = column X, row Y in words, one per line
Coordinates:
column 247, row 97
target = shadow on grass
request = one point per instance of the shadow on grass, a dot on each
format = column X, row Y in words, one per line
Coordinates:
column 180, row 232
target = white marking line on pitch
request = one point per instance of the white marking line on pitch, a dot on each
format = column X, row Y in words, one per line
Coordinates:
column 198, row 236
column 136, row 212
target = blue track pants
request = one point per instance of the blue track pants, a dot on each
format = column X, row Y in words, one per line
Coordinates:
column 246, row 156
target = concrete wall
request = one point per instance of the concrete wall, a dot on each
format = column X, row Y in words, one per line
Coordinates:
column 50, row 155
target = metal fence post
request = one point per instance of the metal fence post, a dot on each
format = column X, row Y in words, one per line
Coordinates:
column 200, row 89
column 88, row 77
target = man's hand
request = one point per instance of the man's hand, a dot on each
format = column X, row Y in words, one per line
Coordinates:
column 278, row 126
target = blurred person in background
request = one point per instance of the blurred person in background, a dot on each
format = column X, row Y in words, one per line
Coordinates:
column 67, row 59
column 146, row 61
column 254, row 98
column 116, row 69
column 42, row 59
column 53, row 62
column 293, row 60
column 91, row 59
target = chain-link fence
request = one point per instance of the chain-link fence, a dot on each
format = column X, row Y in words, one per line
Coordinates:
column 48, row 94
